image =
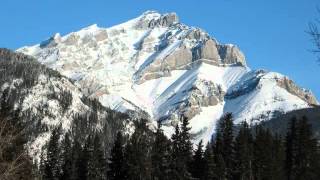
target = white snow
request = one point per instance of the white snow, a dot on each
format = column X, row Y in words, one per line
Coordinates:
column 106, row 70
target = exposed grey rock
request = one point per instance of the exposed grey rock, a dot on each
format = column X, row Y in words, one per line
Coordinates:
column 179, row 58
column 165, row 20
column 207, row 51
column 202, row 94
column 197, row 34
column 292, row 88
column 72, row 39
column 102, row 35
column 161, row 67
column 87, row 39
column 231, row 54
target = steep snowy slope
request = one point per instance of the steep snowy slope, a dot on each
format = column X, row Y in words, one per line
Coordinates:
column 156, row 64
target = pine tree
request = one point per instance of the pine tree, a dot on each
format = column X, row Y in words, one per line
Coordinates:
column 76, row 160
column 198, row 162
column 83, row 161
column 97, row 161
column 181, row 154
column 186, row 144
column 209, row 163
column 66, row 158
column 116, row 165
column 307, row 158
column 263, row 157
column 244, row 153
column 52, row 162
column 220, row 166
column 137, row 153
column 224, row 148
column 160, row 156
column 278, row 158
column 291, row 149
column 175, row 163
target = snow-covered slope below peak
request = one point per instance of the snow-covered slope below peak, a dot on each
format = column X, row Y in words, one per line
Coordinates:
column 106, row 61
column 155, row 63
column 260, row 95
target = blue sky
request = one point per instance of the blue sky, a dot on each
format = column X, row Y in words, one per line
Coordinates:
column 271, row 33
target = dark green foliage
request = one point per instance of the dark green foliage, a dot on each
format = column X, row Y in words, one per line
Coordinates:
column 291, row 149
column 97, row 162
column 268, row 155
column 278, row 157
column 209, row 172
column 66, row 158
column 262, row 166
column 198, row 162
column 138, row 153
column 302, row 151
column 224, row 148
column 244, row 153
column 160, row 156
column 116, row 160
column 52, row 161
column 76, row 159
column 181, row 153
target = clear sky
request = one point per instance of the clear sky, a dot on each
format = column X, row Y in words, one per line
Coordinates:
column 271, row 33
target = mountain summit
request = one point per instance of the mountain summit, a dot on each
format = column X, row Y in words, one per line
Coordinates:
column 158, row 65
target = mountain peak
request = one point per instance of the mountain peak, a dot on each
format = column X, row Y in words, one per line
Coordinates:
column 151, row 19
column 156, row 64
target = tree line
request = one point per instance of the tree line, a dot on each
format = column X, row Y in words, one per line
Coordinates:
column 244, row 154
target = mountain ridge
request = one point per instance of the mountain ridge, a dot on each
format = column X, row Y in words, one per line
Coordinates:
column 155, row 63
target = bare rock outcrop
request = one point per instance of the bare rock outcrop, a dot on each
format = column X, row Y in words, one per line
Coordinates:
column 207, row 51
column 292, row 88
column 202, row 94
column 165, row 20
column 161, row 66
column 72, row 39
column 101, row 35
column 231, row 54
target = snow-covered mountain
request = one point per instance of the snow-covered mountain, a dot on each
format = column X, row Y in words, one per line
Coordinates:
column 155, row 63
column 42, row 100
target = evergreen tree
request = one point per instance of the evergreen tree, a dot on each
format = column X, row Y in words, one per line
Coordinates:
column 220, row 166
column 116, row 165
column 76, row 160
column 52, row 162
column 307, row 157
column 291, row 149
column 175, row 164
column 244, row 153
column 263, row 158
column 137, row 153
column 160, row 156
column 97, row 161
column 198, row 162
column 224, row 148
column 66, row 158
column 278, row 158
column 186, row 144
column 83, row 161
column 209, row 163
column 181, row 154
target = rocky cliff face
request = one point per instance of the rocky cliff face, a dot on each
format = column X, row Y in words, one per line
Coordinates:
column 155, row 63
